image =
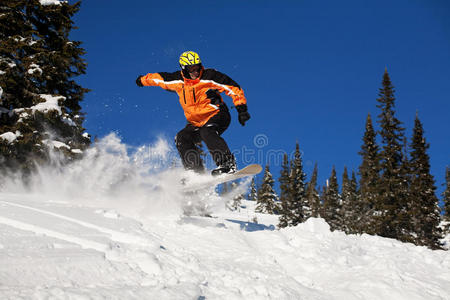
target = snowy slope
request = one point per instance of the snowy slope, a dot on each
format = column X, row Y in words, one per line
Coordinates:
column 105, row 235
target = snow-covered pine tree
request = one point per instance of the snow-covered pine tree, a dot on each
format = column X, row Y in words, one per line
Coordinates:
column 404, row 221
column 286, row 215
column 332, row 205
column 299, row 205
column 424, row 205
column 369, row 172
column 312, row 194
column 39, row 107
column 356, row 200
column 446, row 200
column 323, row 199
column 446, row 195
column 390, row 203
column 237, row 200
column 267, row 197
column 347, row 211
column 253, row 194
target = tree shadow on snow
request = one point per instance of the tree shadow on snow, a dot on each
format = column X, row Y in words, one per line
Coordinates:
column 249, row 226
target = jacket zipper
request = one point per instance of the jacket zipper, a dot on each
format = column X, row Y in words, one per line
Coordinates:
column 184, row 96
column 193, row 93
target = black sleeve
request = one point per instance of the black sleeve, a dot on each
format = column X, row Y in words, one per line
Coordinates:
column 221, row 78
column 171, row 76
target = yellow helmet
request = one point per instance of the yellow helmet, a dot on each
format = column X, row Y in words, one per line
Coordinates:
column 189, row 58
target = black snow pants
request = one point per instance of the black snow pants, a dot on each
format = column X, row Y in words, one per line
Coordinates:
column 190, row 137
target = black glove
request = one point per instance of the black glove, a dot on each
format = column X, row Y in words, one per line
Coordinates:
column 139, row 82
column 214, row 96
column 243, row 116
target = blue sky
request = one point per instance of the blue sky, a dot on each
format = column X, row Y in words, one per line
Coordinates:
column 310, row 70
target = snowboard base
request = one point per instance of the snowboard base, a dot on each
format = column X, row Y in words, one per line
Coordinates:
column 249, row 170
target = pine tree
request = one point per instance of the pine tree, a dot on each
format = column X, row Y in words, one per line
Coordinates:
column 424, row 206
column 323, row 199
column 390, row 204
column 294, row 205
column 446, row 195
column 369, row 172
column 39, row 106
column 355, row 199
column 406, row 228
column 347, row 199
column 267, row 196
column 446, row 200
column 285, row 194
column 312, row 194
column 299, row 206
column 253, row 194
column 237, row 199
column 333, row 203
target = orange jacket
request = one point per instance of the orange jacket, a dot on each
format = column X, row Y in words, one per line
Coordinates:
column 197, row 107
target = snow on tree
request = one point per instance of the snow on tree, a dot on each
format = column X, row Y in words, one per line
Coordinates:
column 295, row 207
column 406, row 229
column 391, row 203
column 267, row 197
column 355, row 199
column 446, row 200
column 333, row 203
column 39, row 106
column 424, row 210
column 300, row 206
column 237, row 199
column 312, row 194
column 323, row 198
column 446, row 195
column 285, row 195
column 253, row 193
column 348, row 203
column 369, row 172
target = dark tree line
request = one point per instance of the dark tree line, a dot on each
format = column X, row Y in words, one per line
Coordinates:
column 395, row 196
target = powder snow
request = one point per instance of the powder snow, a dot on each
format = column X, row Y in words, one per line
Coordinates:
column 111, row 226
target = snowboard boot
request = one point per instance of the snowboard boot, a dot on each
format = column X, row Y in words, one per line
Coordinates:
column 227, row 167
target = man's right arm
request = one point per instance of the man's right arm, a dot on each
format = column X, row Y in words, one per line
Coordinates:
column 168, row 81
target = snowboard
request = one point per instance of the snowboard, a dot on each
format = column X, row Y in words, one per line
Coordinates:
column 215, row 180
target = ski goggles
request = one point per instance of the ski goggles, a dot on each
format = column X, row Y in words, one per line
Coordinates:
column 194, row 68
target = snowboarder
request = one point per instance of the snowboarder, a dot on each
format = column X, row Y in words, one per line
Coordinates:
column 207, row 114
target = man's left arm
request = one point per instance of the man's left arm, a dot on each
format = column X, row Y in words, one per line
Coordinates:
column 233, row 90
